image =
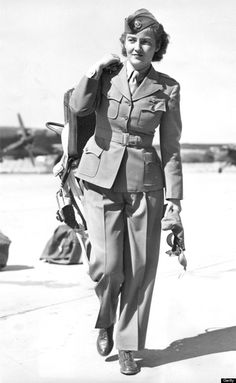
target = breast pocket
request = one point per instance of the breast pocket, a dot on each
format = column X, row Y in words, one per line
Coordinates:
column 90, row 161
column 112, row 101
column 150, row 115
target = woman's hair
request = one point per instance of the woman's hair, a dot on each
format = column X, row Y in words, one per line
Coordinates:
column 161, row 37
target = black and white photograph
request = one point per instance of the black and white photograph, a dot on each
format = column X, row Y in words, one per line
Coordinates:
column 117, row 191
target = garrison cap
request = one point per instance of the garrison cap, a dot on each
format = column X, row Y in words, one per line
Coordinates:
column 139, row 20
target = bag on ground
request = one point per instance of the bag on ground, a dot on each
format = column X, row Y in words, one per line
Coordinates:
column 4, row 249
column 64, row 247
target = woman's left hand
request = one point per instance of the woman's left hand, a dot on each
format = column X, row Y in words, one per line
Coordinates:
column 173, row 205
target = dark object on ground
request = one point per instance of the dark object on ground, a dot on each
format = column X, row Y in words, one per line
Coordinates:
column 4, row 249
column 64, row 247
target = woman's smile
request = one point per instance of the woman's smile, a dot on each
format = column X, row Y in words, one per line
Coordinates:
column 140, row 48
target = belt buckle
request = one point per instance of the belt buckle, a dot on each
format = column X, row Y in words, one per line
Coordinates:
column 125, row 139
column 134, row 140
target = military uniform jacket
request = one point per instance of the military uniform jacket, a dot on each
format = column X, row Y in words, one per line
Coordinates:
column 120, row 153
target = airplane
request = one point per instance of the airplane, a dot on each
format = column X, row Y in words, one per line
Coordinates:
column 225, row 154
column 23, row 142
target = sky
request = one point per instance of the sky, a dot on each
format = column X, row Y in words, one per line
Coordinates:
column 47, row 45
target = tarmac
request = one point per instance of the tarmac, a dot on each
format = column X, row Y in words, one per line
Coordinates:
column 48, row 311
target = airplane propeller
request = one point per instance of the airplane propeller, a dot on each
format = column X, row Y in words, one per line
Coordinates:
column 27, row 139
column 21, row 123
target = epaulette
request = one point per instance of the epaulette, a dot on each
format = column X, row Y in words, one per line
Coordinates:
column 166, row 76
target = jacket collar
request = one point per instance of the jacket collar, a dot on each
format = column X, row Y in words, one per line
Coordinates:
column 149, row 85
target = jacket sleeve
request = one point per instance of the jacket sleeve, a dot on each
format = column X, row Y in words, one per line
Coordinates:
column 85, row 96
column 170, row 133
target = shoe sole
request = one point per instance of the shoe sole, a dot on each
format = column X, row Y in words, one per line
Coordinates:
column 130, row 372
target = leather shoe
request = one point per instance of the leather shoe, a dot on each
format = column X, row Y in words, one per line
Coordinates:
column 127, row 364
column 105, row 340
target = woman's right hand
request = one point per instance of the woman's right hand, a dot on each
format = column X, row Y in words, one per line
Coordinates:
column 96, row 70
column 108, row 60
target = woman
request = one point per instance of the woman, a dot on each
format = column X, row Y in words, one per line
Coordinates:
column 125, row 180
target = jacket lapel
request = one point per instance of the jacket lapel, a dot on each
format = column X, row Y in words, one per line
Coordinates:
column 120, row 81
column 149, row 85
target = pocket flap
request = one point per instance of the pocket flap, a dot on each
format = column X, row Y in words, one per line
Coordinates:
column 156, row 105
column 113, row 94
column 93, row 148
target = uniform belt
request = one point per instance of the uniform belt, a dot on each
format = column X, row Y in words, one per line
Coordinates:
column 127, row 139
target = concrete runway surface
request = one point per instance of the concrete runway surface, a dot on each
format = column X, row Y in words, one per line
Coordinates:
column 48, row 312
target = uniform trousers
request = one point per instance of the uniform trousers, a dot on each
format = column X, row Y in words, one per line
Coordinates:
column 124, row 229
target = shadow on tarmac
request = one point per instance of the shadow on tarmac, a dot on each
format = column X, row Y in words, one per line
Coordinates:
column 16, row 268
column 211, row 342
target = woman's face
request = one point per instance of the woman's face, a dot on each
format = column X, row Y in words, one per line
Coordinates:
column 140, row 48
